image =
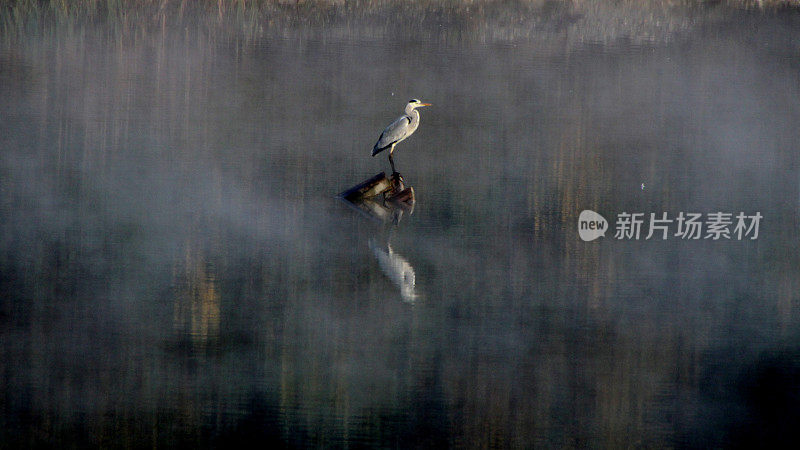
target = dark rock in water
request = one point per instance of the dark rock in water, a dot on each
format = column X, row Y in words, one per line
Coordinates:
column 382, row 198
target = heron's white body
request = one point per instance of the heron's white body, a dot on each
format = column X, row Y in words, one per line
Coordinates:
column 403, row 127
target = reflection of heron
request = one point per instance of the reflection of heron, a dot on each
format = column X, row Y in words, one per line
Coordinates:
column 400, row 129
column 397, row 268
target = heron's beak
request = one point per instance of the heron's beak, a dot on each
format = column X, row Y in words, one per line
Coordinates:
column 425, row 104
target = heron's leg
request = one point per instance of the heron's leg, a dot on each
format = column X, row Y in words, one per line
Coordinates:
column 391, row 160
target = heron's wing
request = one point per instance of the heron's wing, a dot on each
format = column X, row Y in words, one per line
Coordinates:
column 396, row 131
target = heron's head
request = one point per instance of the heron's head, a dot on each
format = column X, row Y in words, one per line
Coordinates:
column 414, row 104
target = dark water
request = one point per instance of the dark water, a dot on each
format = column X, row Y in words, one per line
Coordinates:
column 176, row 269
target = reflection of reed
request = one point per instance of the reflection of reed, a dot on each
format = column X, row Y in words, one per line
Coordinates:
column 588, row 20
column 197, row 300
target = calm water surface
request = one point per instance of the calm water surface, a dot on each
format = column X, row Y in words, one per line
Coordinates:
column 177, row 270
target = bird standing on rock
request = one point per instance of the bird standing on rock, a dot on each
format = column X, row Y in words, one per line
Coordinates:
column 400, row 129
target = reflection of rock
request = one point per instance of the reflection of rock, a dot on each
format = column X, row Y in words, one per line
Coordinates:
column 397, row 268
column 382, row 198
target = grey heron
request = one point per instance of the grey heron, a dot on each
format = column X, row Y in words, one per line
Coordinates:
column 400, row 129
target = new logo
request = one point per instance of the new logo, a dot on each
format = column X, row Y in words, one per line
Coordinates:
column 591, row 225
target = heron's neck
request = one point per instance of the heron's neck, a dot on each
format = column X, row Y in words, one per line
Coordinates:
column 414, row 114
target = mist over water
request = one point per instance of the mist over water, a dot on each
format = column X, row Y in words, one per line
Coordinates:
column 176, row 268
